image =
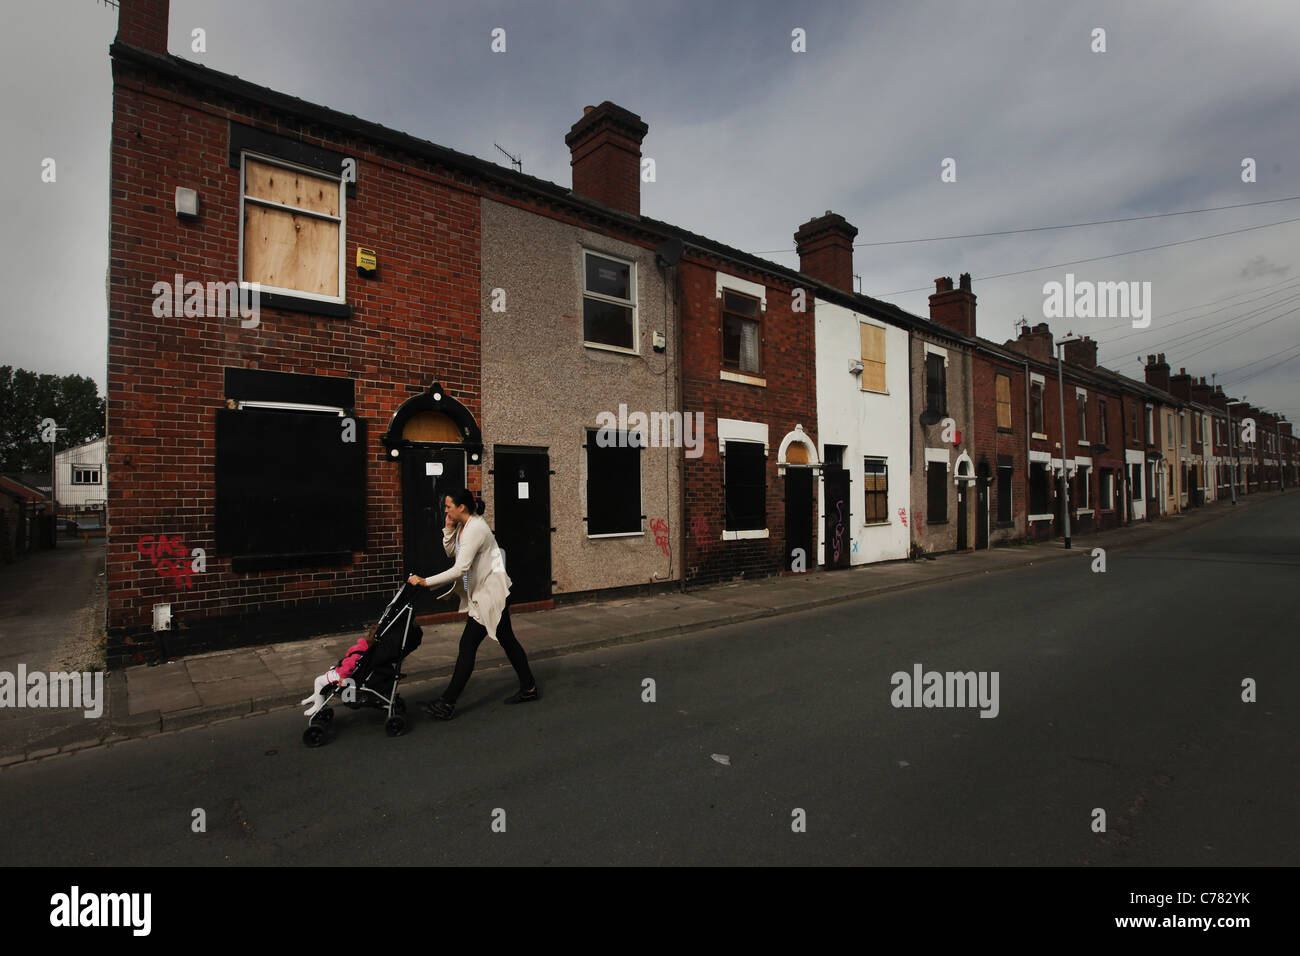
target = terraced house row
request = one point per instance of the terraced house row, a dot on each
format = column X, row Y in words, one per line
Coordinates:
column 638, row 405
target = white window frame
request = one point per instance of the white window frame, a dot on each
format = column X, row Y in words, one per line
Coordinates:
column 1036, row 379
column 244, row 156
column 633, row 302
column 732, row 429
column 95, row 470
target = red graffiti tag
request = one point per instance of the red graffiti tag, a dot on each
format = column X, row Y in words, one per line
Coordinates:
column 700, row 532
column 160, row 553
column 660, row 528
column 902, row 516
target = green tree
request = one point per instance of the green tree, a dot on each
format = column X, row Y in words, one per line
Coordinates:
column 26, row 398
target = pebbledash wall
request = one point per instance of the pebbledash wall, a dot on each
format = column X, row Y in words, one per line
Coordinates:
column 544, row 387
column 176, row 124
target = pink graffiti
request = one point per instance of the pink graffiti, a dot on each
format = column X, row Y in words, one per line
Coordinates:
column 918, row 517
column 660, row 528
column 160, row 553
column 902, row 516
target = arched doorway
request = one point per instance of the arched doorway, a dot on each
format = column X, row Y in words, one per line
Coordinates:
column 434, row 439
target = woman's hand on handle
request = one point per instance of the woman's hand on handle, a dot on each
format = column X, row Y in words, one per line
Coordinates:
column 415, row 580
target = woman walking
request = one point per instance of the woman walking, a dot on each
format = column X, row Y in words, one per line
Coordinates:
column 479, row 574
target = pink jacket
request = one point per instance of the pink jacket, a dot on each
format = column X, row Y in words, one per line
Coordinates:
column 352, row 659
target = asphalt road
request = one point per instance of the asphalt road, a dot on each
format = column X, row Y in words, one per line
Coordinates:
column 1120, row 691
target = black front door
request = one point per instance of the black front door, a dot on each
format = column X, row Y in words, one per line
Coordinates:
column 427, row 475
column 962, row 490
column 835, row 483
column 521, row 483
column 982, row 506
column 798, row 518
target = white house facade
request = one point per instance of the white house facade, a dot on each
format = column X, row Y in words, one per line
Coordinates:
column 862, row 422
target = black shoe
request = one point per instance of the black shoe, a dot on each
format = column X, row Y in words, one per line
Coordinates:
column 440, row 709
column 524, row 696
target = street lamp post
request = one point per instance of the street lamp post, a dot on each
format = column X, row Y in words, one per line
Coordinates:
column 1232, row 453
column 1060, row 395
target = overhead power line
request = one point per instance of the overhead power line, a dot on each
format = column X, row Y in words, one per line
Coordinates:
column 1068, row 225
column 1113, row 255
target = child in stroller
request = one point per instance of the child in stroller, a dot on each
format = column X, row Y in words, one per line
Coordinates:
column 369, row 672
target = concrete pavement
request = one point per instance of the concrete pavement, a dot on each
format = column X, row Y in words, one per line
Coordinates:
column 222, row 685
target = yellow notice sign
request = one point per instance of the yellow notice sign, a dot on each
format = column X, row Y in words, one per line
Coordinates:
column 367, row 261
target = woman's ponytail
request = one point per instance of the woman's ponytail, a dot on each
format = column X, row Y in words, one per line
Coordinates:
column 459, row 497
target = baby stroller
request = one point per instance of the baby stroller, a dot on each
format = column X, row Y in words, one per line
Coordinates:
column 374, row 683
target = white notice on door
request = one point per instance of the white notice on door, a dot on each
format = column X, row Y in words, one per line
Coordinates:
column 523, row 489
column 433, row 468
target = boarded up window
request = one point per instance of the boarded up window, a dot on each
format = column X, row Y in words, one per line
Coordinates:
column 875, row 483
column 936, row 384
column 613, row 485
column 745, row 488
column 292, row 223
column 1004, row 493
column 1039, row 490
column 873, row 357
column 1003, row 383
column 936, row 473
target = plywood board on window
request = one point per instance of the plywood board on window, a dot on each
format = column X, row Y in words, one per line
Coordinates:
column 873, row 357
column 291, row 187
column 430, row 426
column 1004, row 400
column 291, row 251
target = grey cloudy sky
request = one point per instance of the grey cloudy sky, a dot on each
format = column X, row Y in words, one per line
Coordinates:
column 751, row 139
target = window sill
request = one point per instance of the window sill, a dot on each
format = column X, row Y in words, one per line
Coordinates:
column 1039, row 435
column 1006, row 431
column 933, row 523
column 297, row 303
column 1084, row 512
column 609, row 348
column 873, row 391
column 1083, row 443
column 877, row 524
column 618, row 534
column 743, row 378
column 739, row 535
column 1042, row 518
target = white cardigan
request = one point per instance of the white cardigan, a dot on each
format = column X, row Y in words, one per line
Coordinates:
column 489, row 585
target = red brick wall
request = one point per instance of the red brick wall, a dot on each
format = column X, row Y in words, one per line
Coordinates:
column 994, row 443
column 417, row 323
column 789, row 399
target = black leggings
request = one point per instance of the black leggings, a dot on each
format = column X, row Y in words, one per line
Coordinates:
column 469, row 642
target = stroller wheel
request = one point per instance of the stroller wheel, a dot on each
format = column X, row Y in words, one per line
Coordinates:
column 314, row 736
column 395, row 726
column 323, row 716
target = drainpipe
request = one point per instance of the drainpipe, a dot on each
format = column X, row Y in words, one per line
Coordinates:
column 681, row 457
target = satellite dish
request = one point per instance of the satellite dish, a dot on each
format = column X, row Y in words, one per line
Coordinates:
column 670, row 252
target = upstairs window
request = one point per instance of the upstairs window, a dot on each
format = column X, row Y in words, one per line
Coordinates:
column 1036, row 404
column 1003, row 389
column 1101, row 421
column 936, row 384
column 291, row 229
column 873, row 357
column 1081, row 401
column 85, row 475
column 741, row 333
column 609, row 302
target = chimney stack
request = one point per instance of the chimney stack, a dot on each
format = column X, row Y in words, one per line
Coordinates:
column 606, row 156
column 825, row 247
column 954, row 308
column 143, row 24
column 1035, row 342
column 1157, row 372
column 1082, row 353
